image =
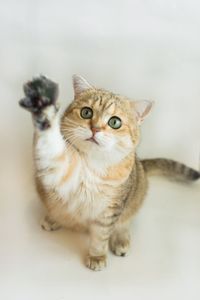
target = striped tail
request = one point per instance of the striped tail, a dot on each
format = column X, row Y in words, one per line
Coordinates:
column 170, row 168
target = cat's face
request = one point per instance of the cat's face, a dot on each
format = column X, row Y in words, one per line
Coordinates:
column 101, row 123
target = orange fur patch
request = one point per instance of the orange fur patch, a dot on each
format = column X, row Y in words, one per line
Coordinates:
column 70, row 170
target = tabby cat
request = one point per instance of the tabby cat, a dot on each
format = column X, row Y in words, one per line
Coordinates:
column 86, row 169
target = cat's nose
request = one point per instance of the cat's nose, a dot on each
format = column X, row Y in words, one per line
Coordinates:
column 95, row 129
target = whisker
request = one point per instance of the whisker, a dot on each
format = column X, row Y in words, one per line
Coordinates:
column 70, row 134
column 73, row 138
column 73, row 122
column 73, row 130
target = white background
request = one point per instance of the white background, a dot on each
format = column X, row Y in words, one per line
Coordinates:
column 142, row 49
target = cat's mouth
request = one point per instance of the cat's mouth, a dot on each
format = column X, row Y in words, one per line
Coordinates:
column 92, row 139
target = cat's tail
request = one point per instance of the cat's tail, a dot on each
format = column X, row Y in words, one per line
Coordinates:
column 170, row 168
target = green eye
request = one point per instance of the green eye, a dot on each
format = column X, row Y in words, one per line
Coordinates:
column 86, row 113
column 115, row 122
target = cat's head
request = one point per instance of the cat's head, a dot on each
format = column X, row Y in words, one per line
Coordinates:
column 100, row 123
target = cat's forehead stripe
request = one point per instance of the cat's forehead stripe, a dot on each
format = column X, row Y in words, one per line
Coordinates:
column 108, row 106
column 100, row 100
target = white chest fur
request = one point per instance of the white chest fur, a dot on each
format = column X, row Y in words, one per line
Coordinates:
column 83, row 193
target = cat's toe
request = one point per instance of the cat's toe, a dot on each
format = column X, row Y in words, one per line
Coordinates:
column 28, row 104
column 48, row 225
column 120, row 248
column 96, row 263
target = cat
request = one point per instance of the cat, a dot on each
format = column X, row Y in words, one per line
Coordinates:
column 87, row 172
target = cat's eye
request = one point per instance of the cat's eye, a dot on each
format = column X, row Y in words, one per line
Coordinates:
column 115, row 122
column 86, row 113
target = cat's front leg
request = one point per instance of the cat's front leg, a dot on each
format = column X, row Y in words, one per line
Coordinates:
column 96, row 259
column 52, row 158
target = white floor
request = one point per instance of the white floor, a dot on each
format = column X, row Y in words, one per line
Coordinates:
column 142, row 49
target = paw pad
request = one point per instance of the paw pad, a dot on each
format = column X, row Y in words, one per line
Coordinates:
column 39, row 93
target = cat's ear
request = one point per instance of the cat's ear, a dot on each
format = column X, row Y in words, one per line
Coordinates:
column 80, row 85
column 142, row 108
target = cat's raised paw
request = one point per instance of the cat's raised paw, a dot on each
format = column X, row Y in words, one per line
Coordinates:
column 39, row 93
column 96, row 263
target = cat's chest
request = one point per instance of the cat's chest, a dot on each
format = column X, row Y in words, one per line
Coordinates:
column 84, row 193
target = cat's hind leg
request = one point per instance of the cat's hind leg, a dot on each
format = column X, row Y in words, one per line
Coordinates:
column 120, row 239
column 49, row 225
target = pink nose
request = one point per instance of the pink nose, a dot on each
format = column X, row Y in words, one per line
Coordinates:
column 95, row 130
